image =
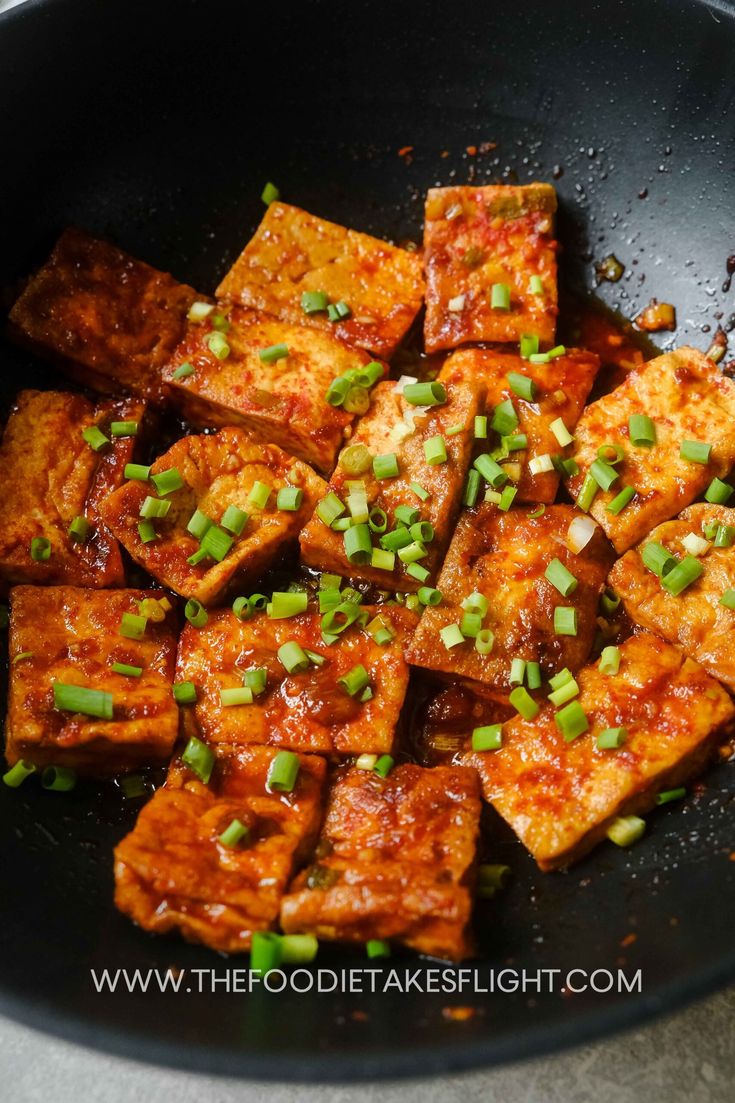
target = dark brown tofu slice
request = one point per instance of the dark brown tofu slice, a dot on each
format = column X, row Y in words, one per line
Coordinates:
column 49, row 476
column 475, row 238
column 306, row 711
column 562, row 387
column 109, row 320
column 172, row 872
column 69, row 636
column 689, row 399
column 282, row 401
column 561, row 797
column 694, row 619
column 217, row 471
column 396, row 861
column 394, row 426
column 292, row 252
column 504, row 557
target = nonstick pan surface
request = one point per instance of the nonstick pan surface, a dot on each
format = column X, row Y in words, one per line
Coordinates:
column 156, row 124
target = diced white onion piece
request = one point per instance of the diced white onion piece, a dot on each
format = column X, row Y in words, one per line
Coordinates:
column 540, row 464
column 456, row 304
column 695, row 545
column 366, row 761
column 579, row 533
column 561, row 432
column 453, row 211
column 199, row 311
column 401, row 383
column 492, row 496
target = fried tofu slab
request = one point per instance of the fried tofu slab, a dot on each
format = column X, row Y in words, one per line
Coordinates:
column 504, row 557
column 308, row 711
column 688, row 399
column 560, row 797
column 695, row 619
column 217, row 471
column 173, row 872
column 49, row 476
column 476, row 238
column 71, row 636
column 561, row 389
column 282, row 401
column 396, row 860
column 394, row 426
column 110, row 321
column 293, row 252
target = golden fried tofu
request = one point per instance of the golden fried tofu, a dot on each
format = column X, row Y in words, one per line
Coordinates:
column 282, row 401
column 688, row 399
column 477, row 238
column 394, row 426
column 694, row 619
column 562, row 387
column 307, row 711
column 293, row 252
column 50, row 476
column 560, row 797
column 109, row 320
column 65, row 636
column 396, row 860
column 173, row 872
column 504, row 557
column 217, row 472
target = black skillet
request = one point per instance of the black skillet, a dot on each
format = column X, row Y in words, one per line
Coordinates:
column 156, row 124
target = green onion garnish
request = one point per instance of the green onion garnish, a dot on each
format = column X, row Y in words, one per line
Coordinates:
column 718, row 492
column 725, row 536
column 571, row 721
column 58, row 779
column 500, row 296
column 560, row 578
column 382, row 560
column 183, row 371
column 272, row 353
column 234, row 520
column 259, row 495
column 429, row 596
column 487, row 738
column 377, row 947
column 287, row 604
column 16, row 775
column 621, row 500
column 670, row 794
column 217, row 345
column 682, row 575
column 289, row 498
column 384, row 765
column 80, row 699
column 198, row 524
column 425, row 394
column 270, row 194
column 696, row 451
column 560, row 431
column 336, row 312
column 517, row 671
column 313, row 302
column 641, row 430
column 137, row 471
column 626, row 830
column 126, row 669
column 40, row 549
column 147, row 532
column 420, row 492
column 237, row 695
column 216, row 543
column 185, row 693
column 471, row 490
column 470, row 625
column 95, row 438
column 357, row 544
column 265, row 952
column 435, row 450
column 153, row 508
column 167, row 481
column 491, row 471
column 587, row 493
column 603, row 474
column 522, row 386
column 507, row 497
column 283, row 772
column 484, row 641
column 533, row 675
column 133, row 626
column 355, row 681
column 505, row 419
column 658, row 559
column 728, row 599
column 529, row 345
column 233, row 834
column 386, row 467
column 565, row 620
column 523, row 702
column 195, row 613
column 451, row 636
column 612, row 738
column 535, row 286
column 79, row 529
column 610, row 660
column 292, row 656
column 199, row 758
column 123, row 428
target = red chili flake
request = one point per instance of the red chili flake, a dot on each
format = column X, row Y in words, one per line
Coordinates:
column 629, row 939
column 472, row 151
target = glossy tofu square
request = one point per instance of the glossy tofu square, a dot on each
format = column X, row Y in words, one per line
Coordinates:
column 560, row 797
column 562, row 387
column 394, row 426
column 396, row 861
column 109, row 320
column 293, row 252
column 475, row 238
column 70, row 636
column 282, row 402
column 306, row 711
column 49, row 476
column 694, row 619
column 172, row 872
column 216, row 472
column 504, row 557
column 689, row 399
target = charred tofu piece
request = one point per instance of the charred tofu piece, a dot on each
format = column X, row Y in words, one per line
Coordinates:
column 695, row 619
column 561, row 796
column 109, row 320
column 396, row 860
column 374, row 288
column 688, row 399
column 504, row 558
column 51, row 477
column 174, row 872
column 212, row 475
column 281, row 400
column 62, row 636
column 477, row 239
column 394, row 427
column 559, row 391
column 307, row 710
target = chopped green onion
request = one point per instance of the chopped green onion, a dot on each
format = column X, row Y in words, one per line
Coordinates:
column 612, row 738
column 406, row 515
column 337, row 311
column 133, row 626
column 382, row 560
column 564, row 692
column 40, row 549
column 603, row 474
column 381, row 632
column 137, row 471
column 216, row 344
column 357, row 544
column 476, row 603
column 412, row 552
column 337, row 391
column 20, row 656
column 378, row 520
column 454, row 430
column 199, row 758
column 522, row 386
column 313, row 302
column 484, row 641
column 386, row 467
column 682, row 575
column 560, row 578
column 587, row 493
column 216, row 543
column 239, row 695
column 383, row 766
column 198, row 311
column 283, row 772
column 183, row 371
column 273, row 353
column 429, row 596
column 339, row 618
column 123, row 428
column 539, row 358
column 298, row 949
column 560, row 431
column 16, row 775
column 195, row 613
column 535, row 286
column 127, row 669
column 368, row 375
column 95, row 438
column 235, row 519
column 500, row 296
column 507, row 497
column 154, row 508
column 435, row 450
column 670, row 794
column 725, row 536
column 505, row 419
column 491, row 471
column 285, row 604
column 256, row 679
column 330, row 508
column 626, row 830
column 377, row 947
column 728, row 599
column 425, row 394
column 538, row 512
column 529, row 345
column 641, row 430
column 611, row 454
column 533, row 675
column 355, row 680
column 718, row 492
column 480, row 427
column 571, row 721
column 610, row 660
column 292, row 656
column 198, row 524
column 421, row 574
column 357, row 400
column 470, row 625
column 491, row 879
column 133, row 786
column 471, row 488
column 487, row 738
column 451, row 636
column 609, row 602
column 58, row 779
column 79, row 529
column 422, row 531
column 147, row 532
column 517, row 672
column 80, row 699
column 270, row 194
column 696, row 451
column 523, row 703
column 565, row 620
column 259, row 495
column 658, row 559
column 233, row 834
column 185, row 693
column 621, row 500
column 265, row 952
column 420, row 492
column 355, row 459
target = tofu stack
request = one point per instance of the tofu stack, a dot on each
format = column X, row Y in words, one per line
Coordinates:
column 459, row 526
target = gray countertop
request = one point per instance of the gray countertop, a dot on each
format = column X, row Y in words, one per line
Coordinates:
column 688, row 1057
